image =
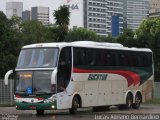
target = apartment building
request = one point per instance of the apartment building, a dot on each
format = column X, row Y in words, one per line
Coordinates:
column 14, row 9
column 135, row 11
column 41, row 14
column 99, row 15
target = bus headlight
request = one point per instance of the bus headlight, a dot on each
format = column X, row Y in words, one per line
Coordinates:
column 52, row 106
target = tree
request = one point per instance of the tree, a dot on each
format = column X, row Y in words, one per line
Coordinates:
column 8, row 45
column 16, row 23
column 35, row 32
column 149, row 33
column 149, row 36
column 81, row 34
column 127, row 38
column 62, row 20
column 108, row 38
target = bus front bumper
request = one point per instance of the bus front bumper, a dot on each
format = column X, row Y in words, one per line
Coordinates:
column 36, row 106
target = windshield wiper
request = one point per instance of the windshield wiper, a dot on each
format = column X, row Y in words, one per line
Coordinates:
column 42, row 92
column 22, row 91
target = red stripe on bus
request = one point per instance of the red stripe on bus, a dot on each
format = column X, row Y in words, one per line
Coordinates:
column 131, row 77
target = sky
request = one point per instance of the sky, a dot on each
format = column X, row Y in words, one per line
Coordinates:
column 27, row 4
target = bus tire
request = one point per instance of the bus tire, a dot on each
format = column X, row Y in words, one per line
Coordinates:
column 129, row 101
column 40, row 112
column 75, row 105
column 138, row 99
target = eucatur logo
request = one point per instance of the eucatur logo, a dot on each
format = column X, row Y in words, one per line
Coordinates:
column 97, row 77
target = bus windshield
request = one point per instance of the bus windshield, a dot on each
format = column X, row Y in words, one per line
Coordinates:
column 34, row 82
column 38, row 58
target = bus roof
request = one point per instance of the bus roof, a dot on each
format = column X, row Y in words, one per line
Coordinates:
column 87, row 44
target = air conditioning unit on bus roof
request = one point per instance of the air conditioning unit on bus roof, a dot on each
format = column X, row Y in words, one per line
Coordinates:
column 98, row 43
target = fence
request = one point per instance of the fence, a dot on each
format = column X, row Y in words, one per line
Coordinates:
column 156, row 93
column 6, row 92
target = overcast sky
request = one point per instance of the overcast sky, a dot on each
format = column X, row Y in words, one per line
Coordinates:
column 27, row 4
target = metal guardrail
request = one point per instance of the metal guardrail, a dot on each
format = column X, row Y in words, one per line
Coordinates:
column 156, row 93
column 6, row 92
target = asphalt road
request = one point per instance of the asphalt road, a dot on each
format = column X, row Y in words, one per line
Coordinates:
column 148, row 112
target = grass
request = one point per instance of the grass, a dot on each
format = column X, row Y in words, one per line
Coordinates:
column 153, row 101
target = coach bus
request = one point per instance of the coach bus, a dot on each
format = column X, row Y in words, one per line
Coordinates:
column 52, row 76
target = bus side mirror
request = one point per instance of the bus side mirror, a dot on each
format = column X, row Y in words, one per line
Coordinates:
column 7, row 76
column 54, row 76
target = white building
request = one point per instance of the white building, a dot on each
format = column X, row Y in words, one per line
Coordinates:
column 14, row 9
column 99, row 14
column 95, row 14
column 41, row 14
column 76, row 12
column 135, row 11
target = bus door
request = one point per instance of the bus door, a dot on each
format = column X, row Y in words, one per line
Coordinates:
column 64, row 69
column 63, row 77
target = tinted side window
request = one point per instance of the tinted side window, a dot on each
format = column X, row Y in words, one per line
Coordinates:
column 94, row 57
column 101, row 57
column 106, row 57
column 91, row 56
column 145, row 59
column 79, row 56
column 110, row 58
column 133, row 58
column 124, row 58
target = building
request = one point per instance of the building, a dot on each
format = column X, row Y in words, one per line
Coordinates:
column 37, row 13
column 115, row 26
column 26, row 15
column 99, row 15
column 41, row 14
column 154, row 6
column 76, row 8
column 14, row 9
column 95, row 15
column 154, row 10
column 135, row 11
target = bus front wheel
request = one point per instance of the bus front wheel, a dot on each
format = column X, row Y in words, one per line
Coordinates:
column 40, row 112
column 75, row 105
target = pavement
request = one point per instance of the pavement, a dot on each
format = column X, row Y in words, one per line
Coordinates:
column 147, row 110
